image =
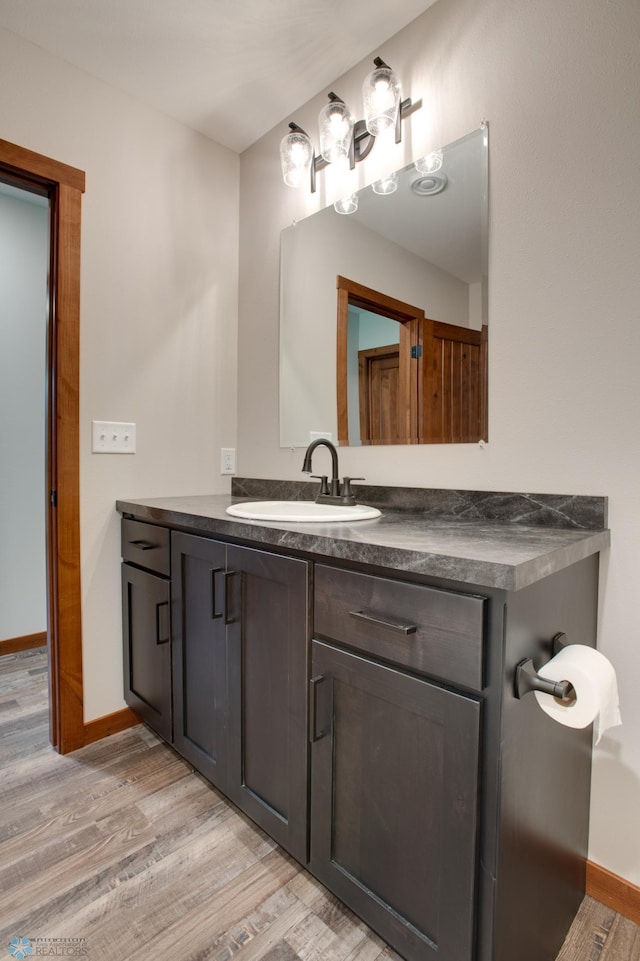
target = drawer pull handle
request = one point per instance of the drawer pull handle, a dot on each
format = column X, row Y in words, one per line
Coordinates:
column 142, row 545
column 399, row 627
column 214, row 613
column 315, row 686
column 229, row 617
column 163, row 634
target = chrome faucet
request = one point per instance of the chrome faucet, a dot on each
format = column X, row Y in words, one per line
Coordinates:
column 335, row 493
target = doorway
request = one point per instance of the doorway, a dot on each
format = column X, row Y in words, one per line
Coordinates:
column 379, row 394
column 63, row 186
column 24, row 270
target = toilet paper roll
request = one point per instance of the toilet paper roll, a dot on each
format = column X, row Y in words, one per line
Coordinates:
column 595, row 685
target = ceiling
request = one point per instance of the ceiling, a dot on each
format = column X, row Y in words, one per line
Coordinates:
column 232, row 69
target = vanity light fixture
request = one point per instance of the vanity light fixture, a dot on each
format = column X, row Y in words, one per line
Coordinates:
column 296, row 156
column 429, row 164
column 386, row 185
column 381, row 98
column 347, row 205
column 335, row 124
column 340, row 135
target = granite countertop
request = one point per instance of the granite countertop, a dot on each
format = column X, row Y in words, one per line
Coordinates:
column 485, row 553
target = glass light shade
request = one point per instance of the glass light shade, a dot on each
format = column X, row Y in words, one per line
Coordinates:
column 431, row 163
column 296, row 157
column 381, row 97
column 348, row 205
column 387, row 185
column 336, row 129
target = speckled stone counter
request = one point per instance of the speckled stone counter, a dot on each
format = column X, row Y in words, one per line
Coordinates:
column 484, row 552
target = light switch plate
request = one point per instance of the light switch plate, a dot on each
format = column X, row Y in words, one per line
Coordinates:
column 112, row 437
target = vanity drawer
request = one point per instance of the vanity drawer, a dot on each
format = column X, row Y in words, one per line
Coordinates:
column 435, row 632
column 146, row 545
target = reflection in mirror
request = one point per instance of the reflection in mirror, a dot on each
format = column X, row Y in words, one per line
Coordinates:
column 373, row 367
column 417, row 256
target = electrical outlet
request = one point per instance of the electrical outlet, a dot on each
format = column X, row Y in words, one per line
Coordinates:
column 227, row 460
column 317, row 434
column 112, row 437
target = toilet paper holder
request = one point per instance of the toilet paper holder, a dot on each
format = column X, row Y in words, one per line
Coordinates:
column 526, row 678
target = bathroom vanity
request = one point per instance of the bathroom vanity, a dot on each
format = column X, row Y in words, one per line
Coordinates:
column 351, row 688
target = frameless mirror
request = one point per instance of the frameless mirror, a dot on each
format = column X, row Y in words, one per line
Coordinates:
column 383, row 312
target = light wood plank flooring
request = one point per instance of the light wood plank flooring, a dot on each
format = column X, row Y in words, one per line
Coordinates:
column 124, row 848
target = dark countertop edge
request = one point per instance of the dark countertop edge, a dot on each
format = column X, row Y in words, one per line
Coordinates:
column 479, row 572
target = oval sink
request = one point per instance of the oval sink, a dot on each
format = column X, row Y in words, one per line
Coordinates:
column 302, row 511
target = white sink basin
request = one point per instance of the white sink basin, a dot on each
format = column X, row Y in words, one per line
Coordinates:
column 302, row 511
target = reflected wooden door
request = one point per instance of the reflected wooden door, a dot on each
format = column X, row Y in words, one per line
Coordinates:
column 379, row 387
column 453, row 384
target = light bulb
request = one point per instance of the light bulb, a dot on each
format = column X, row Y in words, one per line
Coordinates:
column 381, row 96
column 336, row 129
column 386, row 185
column 296, row 157
column 431, row 163
column 347, row 205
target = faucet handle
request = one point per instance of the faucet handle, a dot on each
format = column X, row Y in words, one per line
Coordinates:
column 324, row 486
column 346, row 485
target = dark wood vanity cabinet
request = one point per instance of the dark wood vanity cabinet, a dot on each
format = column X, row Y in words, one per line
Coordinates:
column 146, row 623
column 395, row 801
column 200, row 656
column 395, row 758
column 367, row 720
column 267, row 631
column 240, row 630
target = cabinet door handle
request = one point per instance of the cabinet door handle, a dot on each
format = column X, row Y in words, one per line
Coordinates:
column 162, row 637
column 142, row 545
column 314, row 687
column 400, row 627
column 214, row 613
column 228, row 618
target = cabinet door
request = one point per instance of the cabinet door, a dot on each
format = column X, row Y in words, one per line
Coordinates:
column 394, row 802
column 147, row 652
column 199, row 654
column 268, row 643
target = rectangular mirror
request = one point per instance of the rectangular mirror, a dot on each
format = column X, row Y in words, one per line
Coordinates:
column 383, row 312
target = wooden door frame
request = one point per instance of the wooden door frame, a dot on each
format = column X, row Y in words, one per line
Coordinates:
column 64, row 186
column 409, row 318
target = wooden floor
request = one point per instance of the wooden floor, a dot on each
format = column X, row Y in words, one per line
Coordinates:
column 121, row 850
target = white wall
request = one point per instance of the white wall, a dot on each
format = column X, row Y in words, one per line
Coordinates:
column 559, row 84
column 158, row 309
column 24, row 265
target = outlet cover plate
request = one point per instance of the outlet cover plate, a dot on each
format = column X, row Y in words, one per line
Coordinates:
column 227, row 460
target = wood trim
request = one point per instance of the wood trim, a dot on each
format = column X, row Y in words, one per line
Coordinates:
column 65, row 517
column 110, row 724
column 484, row 381
column 342, row 327
column 462, row 335
column 64, row 186
column 371, row 299
column 614, row 891
column 28, row 642
column 39, row 166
